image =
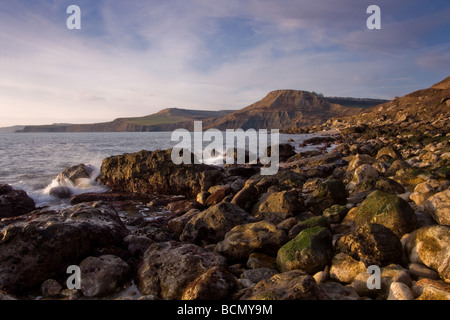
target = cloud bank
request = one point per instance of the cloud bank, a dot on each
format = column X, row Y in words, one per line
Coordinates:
column 133, row 58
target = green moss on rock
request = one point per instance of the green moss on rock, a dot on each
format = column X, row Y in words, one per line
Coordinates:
column 310, row 251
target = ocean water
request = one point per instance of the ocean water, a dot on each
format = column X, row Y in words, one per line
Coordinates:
column 31, row 161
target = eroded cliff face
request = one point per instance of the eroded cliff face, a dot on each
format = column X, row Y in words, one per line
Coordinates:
column 283, row 109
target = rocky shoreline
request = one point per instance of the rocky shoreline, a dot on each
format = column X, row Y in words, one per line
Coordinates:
column 197, row 232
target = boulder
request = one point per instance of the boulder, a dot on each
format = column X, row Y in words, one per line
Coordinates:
column 337, row 291
column 167, row 268
column 244, row 239
column 76, row 173
column 102, row 275
column 51, row 288
column 211, row 225
column 246, row 197
column 217, row 283
column 326, row 195
column 13, row 202
column 257, row 275
column 424, row 190
column 400, row 291
column 438, row 206
column 258, row 260
column 137, row 245
column 390, row 151
column 218, row 193
column 308, row 223
column 358, row 160
column 388, row 275
column 386, row 209
column 418, row 271
column 345, row 269
column 311, row 250
column 372, row 244
column 291, row 285
column 397, row 166
column 364, row 173
column 429, row 246
column 177, row 225
column 149, row 172
column 427, row 289
column 335, row 213
column 40, row 246
column 278, row 206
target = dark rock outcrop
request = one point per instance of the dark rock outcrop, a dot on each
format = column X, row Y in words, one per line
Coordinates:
column 148, row 172
column 43, row 244
column 14, row 202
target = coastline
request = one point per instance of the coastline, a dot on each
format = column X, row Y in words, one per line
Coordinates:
column 316, row 195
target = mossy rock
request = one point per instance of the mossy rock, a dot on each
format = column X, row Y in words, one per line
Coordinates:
column 327, row 194
column 335, row 213
column 388, row 210
column 311, row 250
column 320, row 221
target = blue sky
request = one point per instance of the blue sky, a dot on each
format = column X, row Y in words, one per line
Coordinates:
column 133, row 58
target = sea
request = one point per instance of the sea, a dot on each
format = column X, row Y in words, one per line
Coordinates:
column 32, row 161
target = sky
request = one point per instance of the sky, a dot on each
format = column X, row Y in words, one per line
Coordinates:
column 137, row 57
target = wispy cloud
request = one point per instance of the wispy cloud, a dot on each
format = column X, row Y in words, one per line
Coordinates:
column 133, row 58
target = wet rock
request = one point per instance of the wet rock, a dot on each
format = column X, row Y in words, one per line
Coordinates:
column 244, row 239
column 167, row 268
column 211, row 225
column 180, row 207
column 13, row 202
column 40, row 246
column 76, row 173
column 148, row 172
column 372, row 244
column 311, row 250
column 217, row 283
column 438, row 206
column 429, row 246
column 136, row 244
column 102, row 275
column 291, row 285
column 285, row 151
column 385, row 209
